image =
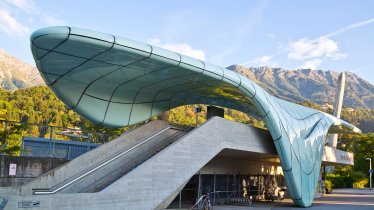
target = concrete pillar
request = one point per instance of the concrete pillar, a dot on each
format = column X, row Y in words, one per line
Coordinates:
column 333, row 140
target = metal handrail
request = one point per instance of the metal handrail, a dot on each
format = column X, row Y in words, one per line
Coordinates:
column 49, row 191
column 159, row 145
column 203, row 197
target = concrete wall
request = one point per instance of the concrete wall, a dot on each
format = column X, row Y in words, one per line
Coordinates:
column 27, row 168
column 91, row 158
column 155, row 183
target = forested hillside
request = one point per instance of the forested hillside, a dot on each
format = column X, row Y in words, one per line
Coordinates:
column 39, row 105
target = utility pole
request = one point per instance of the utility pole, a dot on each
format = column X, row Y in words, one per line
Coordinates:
column 370, row 171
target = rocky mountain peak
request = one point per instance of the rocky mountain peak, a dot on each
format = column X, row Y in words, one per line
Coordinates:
column 15, row 74
column 315, row 85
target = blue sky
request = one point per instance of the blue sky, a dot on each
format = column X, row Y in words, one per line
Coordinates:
column 321, row 34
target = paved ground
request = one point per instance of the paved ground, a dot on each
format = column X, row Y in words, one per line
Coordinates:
column 341, row 199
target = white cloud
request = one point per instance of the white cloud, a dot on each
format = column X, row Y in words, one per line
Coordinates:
column 265, row 60
column 13, row 25
column 312, row 64
column 10, row 25
column 25, row 5
column 181, row 48
column 321, row 47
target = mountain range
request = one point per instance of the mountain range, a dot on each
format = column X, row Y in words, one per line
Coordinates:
column 15, row 74
column 310, row 85
column 294, row 85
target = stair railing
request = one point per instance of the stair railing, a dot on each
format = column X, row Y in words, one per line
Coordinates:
column 78, row 177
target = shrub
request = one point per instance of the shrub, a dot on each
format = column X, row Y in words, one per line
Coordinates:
column 328, row 186
column 359, row 179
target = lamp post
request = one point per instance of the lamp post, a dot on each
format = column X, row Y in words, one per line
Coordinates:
column 370, row 171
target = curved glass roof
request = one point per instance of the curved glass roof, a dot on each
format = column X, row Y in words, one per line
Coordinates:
column 116, row 82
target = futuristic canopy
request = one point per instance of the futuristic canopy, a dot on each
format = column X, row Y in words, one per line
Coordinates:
column 118, row 82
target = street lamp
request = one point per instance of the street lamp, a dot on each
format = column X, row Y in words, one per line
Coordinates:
column 370, row 171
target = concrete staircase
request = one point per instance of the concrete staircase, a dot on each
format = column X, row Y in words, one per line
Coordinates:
column 154, row 183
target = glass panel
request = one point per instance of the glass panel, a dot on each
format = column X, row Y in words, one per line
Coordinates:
column 170, row 92
column 213, row 71
column 56, row 63
column 83, row 46
column 92, row 108
column 159, row 107
column 162, row 61
column 131, row 73
column 179, row 99
column 170, row 55
column 133, row 44
column 121, row 55
column 49, row 38
column 69, row 90
column 117, row 114
column 91, row 70
column 261, row 99
column 127, row 92
column 49, row 78
column 93, row 34
column 38, row 53
column 192, row 98
column 231, row 77
column 101, row 88
column 192, row 62
column 148, row 65
column 149, row 92
column 104, row 87
column 140, row 112
column 245, row 91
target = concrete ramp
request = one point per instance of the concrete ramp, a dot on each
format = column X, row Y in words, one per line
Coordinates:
column 154, row 183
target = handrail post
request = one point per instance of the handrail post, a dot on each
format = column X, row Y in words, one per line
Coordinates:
column 51, row 150
column 4, row 138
